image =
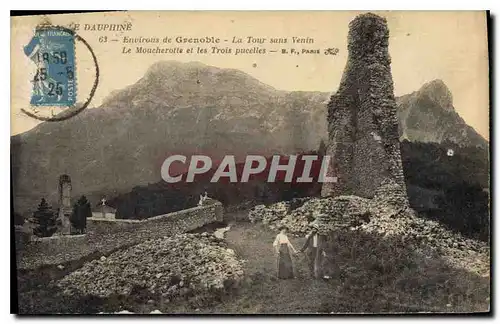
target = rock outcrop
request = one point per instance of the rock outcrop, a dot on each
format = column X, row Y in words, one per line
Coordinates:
column 362, row 119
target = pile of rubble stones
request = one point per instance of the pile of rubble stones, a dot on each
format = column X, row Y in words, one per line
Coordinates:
column 342, row 211
column 269, row 215
column 181, row 265
column 384, row 214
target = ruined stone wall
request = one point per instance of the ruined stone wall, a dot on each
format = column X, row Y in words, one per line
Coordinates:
column 105, row 236
column 176, row 222
column 362, row 120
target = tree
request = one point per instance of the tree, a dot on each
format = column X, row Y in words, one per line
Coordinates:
column 78, row 219
column 46, row 220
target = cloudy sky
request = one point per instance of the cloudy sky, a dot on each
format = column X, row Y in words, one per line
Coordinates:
column 451, row 46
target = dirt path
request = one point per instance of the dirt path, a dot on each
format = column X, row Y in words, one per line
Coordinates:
column 264, row 292
column 361, row 281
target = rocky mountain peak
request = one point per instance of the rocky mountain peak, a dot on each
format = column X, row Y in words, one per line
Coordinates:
column 164, row 81
column 428, row 115
column 177, row 68
column 438, row 92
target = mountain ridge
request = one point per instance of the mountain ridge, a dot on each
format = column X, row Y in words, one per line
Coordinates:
column 189, row 108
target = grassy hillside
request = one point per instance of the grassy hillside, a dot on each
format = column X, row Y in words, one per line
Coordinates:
column 454, row 187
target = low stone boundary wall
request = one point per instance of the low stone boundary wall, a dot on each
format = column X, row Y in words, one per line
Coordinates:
column 105, row 236
column 179, row 221
column 57, row 239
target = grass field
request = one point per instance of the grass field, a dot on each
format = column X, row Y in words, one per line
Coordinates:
column 368, row 274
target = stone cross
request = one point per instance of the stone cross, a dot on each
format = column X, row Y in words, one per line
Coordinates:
column 103, row 212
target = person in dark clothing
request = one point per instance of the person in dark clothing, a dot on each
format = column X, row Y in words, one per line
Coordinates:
column 315, row 244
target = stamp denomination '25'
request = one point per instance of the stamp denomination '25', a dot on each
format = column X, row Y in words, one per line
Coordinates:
column 53, row 51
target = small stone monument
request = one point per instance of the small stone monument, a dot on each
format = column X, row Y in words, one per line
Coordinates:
column 65, row 209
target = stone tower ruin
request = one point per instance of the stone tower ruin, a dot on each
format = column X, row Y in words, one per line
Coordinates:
column 362, row 121
column 65, row 209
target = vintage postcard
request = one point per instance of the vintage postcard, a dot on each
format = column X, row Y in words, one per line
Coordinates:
column 259, row 162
